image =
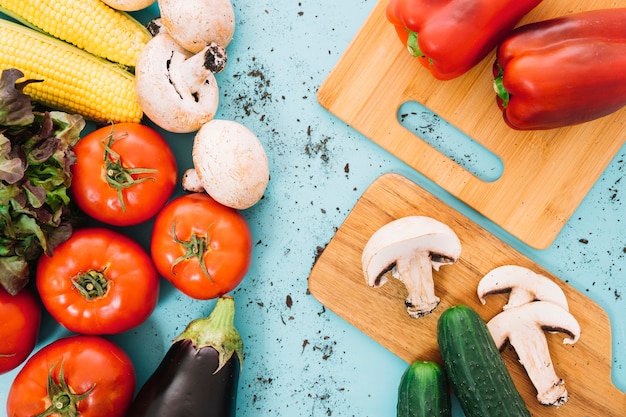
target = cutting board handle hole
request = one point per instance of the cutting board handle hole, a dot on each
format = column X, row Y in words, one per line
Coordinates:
column 450, row 141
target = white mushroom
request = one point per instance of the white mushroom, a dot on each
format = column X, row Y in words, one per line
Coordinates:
column 523, row 285
column 523, row 327
column 409, row 248
column 129, row 5
column 195, row 24
column 176, row 89
column 230, row 164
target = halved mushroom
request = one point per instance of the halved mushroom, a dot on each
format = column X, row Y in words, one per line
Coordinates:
column 523, row 327
column 176, row 89
column 523, row 285
column 230, row 164
column 408, row 249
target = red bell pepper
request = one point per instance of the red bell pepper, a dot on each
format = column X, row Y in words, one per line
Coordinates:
column 449, row 37
column 563, row 71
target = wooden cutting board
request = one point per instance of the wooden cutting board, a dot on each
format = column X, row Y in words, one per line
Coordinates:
column 337, row 282
column 546, row 173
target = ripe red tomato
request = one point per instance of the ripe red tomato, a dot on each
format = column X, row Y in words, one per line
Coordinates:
column 20, row 317
column 98, row 282
column 124, row 174
column 201, row 246
column 90, row 373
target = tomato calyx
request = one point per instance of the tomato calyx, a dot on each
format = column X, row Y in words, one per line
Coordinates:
column 63, row 401
column 196, row 247
column 116, row 175
column 91, row 284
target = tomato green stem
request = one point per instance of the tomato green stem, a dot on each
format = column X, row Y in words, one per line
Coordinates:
column 92, row 284
column 196, row 247
column 116, row 175
column 63, row 401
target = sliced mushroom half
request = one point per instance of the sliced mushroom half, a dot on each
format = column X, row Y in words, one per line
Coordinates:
column 523, row 285
column 523, row 327
column 408, row 249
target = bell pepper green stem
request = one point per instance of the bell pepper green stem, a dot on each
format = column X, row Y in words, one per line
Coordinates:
column 413, row 45
column 498, row 86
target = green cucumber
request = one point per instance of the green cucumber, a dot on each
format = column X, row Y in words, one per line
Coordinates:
column 424, row 391
column 476, row 371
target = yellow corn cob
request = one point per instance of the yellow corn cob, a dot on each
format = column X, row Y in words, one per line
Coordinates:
column 88, row 24
column 73, row 80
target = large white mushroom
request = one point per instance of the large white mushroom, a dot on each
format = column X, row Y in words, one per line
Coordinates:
column 195, row 24
column 230, row 164
column 523, row 327
column 129, row 5
column 176, row 89
column 408, row 249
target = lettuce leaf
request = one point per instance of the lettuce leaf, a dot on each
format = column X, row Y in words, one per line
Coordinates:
column 15, row 106
column 35, row 175
column 11, row 167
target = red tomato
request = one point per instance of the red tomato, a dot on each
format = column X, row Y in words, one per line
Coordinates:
column 98, row 282
column 201, row 246
column 98, row 379
column 20, row 317
column 124, row 174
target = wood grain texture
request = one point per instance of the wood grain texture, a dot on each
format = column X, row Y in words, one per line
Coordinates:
column 546, row 173
column 337, row 281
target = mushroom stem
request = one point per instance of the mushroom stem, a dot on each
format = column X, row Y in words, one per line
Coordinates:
column 196, row 70
column 211, row 59
column 417, row 275
column 191, row 181
column 534, row 355
column 523, row 327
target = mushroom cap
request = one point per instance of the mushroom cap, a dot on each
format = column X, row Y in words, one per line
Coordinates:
column 540, row 314
column 407, row 237
column 523, row 284
column 168, row 90
column 230, row 163
column 194, row 24
column 129, row 5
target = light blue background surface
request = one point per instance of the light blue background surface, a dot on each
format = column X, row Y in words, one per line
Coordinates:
column 301, row 359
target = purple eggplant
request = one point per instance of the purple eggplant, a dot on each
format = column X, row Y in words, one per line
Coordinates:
column 199, row 374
